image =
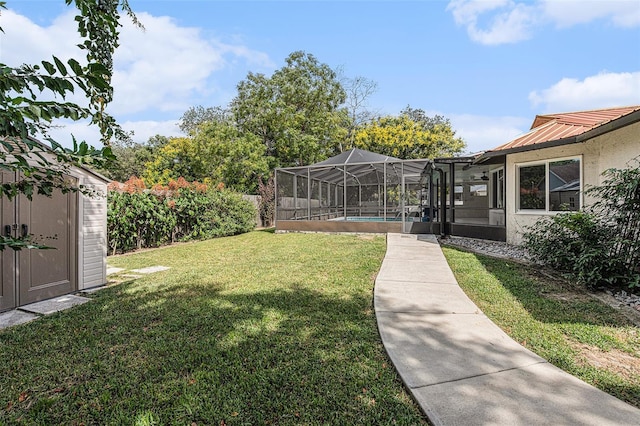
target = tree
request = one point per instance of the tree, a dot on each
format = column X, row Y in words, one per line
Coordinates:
column 295, row 112
column 410, row 135
column 218, row 152
column 358, row 90
column 195, row 116
column 32, row 97
column 133, row 156
column 179, row 157
column 236, row 159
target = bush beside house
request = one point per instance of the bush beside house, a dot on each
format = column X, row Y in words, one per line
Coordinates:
column 601, row 245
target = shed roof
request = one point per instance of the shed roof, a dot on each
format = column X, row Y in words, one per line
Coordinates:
column 19, row 147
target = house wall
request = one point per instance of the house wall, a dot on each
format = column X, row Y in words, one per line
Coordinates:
column 92, row 233
column 611, row 150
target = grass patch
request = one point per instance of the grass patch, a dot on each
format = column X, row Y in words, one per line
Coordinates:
column 556, row 320
column 260, row 328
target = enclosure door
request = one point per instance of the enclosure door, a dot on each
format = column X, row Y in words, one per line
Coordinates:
column 38, row 274
column 411, row 200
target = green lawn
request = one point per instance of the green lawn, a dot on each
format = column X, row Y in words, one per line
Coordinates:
column 260, row 328
column 556, row 320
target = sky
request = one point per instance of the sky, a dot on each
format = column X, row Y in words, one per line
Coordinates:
column 489, row 66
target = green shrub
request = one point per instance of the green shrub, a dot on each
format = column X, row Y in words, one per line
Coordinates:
column 575, row 242
column 600, row 246
column 139, row 217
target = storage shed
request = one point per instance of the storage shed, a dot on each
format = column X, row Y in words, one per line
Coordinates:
column 73, row 224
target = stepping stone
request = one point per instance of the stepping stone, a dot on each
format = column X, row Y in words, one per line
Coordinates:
column 50, row 306
column 113, row 270
column 150, row 269
column 15, row 317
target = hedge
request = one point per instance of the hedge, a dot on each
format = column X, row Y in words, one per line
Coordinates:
column 138, row 217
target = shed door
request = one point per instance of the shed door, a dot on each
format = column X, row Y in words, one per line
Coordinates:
column 7, row 265
column 39, row 274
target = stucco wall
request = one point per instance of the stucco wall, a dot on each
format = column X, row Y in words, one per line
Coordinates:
column 611, row 150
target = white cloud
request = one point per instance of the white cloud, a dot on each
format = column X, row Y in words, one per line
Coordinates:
column 24, row 42
column 509, row 21
column 599, row 91
column 622, row 13
column 165, row 65
column 483, row 133
column 143, row 130
column 158, row 71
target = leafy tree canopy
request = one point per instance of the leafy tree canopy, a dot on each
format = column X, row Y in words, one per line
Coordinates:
column 132, row 157
column 410, row 135
column 295, row 112
column 239, row 159
column 195, row 116
column 179, row 157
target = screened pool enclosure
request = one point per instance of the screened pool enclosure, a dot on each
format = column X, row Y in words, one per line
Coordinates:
column 360, row 191
column 356, row 186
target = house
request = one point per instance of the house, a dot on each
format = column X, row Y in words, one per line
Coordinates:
column 494, row 195
column 74, row 224
column 547, row 169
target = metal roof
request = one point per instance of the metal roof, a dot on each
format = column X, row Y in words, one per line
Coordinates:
column 555, row 127
column 355, row 156
column 358, row 166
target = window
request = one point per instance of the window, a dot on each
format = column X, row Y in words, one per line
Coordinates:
column 497, row 189
column 550, row 186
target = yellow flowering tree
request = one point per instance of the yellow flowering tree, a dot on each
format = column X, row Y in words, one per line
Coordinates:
column 410, row 135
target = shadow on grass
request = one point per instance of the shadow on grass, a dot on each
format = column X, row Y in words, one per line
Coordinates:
column 271, row 230
column 198, row 354
column 547, row 315
column 549, row 302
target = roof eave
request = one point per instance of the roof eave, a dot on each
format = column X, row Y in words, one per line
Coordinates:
column 589, row 134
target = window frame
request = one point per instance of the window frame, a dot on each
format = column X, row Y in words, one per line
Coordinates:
column 546, row 163
column 497, row 188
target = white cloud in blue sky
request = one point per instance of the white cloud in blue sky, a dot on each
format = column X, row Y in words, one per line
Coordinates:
column 489, row 65
column 605, row 90
column 620, row 13
column 494, row 22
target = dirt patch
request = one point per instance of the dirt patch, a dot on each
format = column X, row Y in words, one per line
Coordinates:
column 621, row 363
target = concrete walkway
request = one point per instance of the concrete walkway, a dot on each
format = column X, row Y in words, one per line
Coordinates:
column 460, row 367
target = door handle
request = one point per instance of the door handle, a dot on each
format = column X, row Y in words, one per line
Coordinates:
column 25, row 230
column 7, row 230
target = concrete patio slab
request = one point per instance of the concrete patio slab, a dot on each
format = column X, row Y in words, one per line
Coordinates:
column 50, row 306
column 540, row 394
column 398, row 296
column 150, row 269
column 15, row 317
